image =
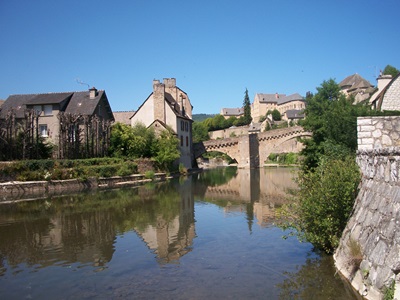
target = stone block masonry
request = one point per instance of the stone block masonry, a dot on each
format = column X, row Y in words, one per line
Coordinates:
column 369, row 251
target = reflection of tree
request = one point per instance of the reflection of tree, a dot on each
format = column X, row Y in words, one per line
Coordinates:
column 316, row 280
column 217, row 176
column 82, row 228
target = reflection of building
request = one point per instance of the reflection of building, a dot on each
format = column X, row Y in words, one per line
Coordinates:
column 263, row 188
column 67, row 238
column 172, row 239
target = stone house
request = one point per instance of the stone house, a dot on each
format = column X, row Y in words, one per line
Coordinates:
column 169, row 107
column 264, row 102
column 123, row 117
column 49, row 106
column 388, row 96
column 357, row 86
column 232, row 112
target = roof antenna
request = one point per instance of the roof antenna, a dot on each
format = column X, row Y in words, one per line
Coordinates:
column 81, row 82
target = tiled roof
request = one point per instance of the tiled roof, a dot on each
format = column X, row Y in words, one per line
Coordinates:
column 354, row 81
column 232, row 111
column 269, row 97
column 77, row 102
column 50, row 98
column 293, row 97
column 123, row 116
column 295, row 114
column 17, row 103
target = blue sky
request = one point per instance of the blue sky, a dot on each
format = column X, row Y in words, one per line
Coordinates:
column 214, row 48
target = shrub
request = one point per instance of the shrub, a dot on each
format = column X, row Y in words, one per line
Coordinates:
column 325, row 200
column 126, row 169
column 149, row 175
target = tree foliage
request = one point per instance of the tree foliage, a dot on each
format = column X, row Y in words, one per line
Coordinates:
column 329, row 175
column 276, row 115
column 139, row 141
column 327, row 197
column 167, row 150
column 132, row 142
column 246, row 108
column 390, row 70
column 332, row 119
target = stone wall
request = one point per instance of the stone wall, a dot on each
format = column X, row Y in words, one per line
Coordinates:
column 369, row 251
column 23, row 191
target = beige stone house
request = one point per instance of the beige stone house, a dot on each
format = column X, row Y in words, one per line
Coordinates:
column 232, row 112
column 169, row 107
column 356, row 86
column 49, row 106
column 264, row 102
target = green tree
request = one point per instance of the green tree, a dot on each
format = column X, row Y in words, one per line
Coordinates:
column 326, row 198
column 390, row 70
column 332, row 119
column 247, row 108
column 276, row 115
column 167, row 150
column 133, row 142
column 329, row 175
column 200, row 132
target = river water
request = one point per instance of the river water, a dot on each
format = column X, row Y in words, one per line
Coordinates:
column 207, row 236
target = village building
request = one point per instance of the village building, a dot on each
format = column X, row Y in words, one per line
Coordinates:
column 123, row 117
column 169, row 107
column 358, row 87
column 388, row 95
column 61, row 116
column 232, row 112
column 268, row 102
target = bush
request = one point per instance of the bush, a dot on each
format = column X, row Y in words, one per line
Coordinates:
column 149, row 175
column 324, row 202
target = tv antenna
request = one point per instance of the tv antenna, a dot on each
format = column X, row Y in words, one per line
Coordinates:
column 81, row 82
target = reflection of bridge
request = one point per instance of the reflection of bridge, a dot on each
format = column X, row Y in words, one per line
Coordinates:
column 253, row 150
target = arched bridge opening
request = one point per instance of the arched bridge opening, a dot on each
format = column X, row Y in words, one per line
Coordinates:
column 253, row 150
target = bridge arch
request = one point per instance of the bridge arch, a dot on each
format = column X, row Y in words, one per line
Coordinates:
column 253, row 150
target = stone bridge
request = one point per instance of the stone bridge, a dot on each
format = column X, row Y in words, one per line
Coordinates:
column 252, row 150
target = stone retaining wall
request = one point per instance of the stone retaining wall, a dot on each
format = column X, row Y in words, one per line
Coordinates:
column 369, row 251
column 22, row 191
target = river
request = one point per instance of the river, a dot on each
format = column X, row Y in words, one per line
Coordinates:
column 212, row 235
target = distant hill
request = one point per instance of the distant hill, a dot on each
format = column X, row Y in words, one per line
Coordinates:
column 201, row 117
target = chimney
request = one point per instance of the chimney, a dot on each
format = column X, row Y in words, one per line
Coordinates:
column 92, row 93
column 383, row 81
column 182, row 106
column 276, row 95
column 159, row 102
column 170, row 82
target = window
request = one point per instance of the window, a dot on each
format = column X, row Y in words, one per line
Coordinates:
column 182, row 126
column 187, row 141
column 181, row 140
column 37, row 108
column 48, row 110
column 43, row 130
column 186, row 126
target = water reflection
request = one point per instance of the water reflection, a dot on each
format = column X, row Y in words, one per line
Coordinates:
column 257, row 192
column 142, row 241
column 83, row 228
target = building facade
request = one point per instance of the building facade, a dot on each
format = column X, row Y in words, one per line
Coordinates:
column 54, row 114
column 268, row 102
column 169, row 107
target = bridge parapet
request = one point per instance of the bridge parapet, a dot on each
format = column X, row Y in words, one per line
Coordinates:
column 252, row 150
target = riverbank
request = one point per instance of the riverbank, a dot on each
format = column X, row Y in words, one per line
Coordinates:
column 14, row 191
